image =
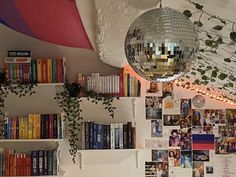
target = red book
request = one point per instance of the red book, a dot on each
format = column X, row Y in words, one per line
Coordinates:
column 7, row 70
column 121, row 91
column 25, row 71
column 44, row 71
column 24, row 165
column 7, row 154
column 50, row 126
column 28, row 165
column 17, row 164
column 60, row 73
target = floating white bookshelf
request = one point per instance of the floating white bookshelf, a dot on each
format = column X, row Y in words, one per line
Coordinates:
column 29, row 140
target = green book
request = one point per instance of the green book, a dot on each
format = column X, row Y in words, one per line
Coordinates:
column 54, row 71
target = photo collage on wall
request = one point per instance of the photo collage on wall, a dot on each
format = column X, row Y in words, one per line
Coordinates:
column 185, row 141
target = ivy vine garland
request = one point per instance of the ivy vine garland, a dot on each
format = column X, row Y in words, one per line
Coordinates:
column 211, row 41
column 69, row 100
column 19, row 89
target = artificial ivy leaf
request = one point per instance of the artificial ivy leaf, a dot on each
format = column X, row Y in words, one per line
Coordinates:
column 223, row 21
column 209, row 67
column 202, row 50
column 218, row 27
column 187, row 13
column 214, row 73
column 209, row 36
column 209, row 42
column 197, row 82
column 220, row 40
column 232, row 78
column 198, row 6
column 233, row 36
column 222, row 76
column 204, row 77
column 203, row 72
column 187, row 77
column 213, row 80
column 198, row 23
column 227, row 60
column 231, row 84
column 193, row 73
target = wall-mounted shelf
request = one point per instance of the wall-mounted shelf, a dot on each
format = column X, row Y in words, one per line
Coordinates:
column 29, row 140
column 61, row 174
column 101, row 156
column 50, row 84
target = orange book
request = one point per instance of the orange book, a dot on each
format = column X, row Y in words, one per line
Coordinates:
column 39, row 71
column 7, row 70
column 49, row 70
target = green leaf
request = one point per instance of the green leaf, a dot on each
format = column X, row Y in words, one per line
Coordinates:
column 198, row 23
column 193, row 73
column 222, row 76
column 197, row 82
column 227, row 60
column 201, row 50
column 203, row 72
column 209, row 42
column 209, row 67
column 218, row 27
column 232, row 78
column 198, row 6
column 204, row 77
column 214, row 73
column 231, row 84
column 220, row 40
column 233, row 36
column 187, row 13
column 209, row 36
column 223, row 21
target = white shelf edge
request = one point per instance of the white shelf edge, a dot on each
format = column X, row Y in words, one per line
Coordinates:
column 30, row 140
column 109, row 150
column 50, row 84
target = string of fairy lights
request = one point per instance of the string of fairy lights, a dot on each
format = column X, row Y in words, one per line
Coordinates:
column 209, row 92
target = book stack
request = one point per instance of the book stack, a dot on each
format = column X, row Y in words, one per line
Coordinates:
column 34, row 163
column 102, row 136
column 20, row 67
column 123, row 85
column 35, row 126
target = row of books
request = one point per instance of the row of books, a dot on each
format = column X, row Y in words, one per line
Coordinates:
column 102, row 136
column 123, row 85
column 34, row 163
column 35, row 126
column 38, row 71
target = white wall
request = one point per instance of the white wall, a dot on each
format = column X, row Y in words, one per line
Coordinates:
column 95, row 163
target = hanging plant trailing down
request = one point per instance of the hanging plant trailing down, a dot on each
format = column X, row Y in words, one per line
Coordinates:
column 70, row 101
column 204, row 71
column 19, row 88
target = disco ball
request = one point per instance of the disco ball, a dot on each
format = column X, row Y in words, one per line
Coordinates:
column 161, row 44
column 198, row 101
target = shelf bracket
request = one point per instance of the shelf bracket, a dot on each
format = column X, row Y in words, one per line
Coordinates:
column 81, row 165
column 137, row 158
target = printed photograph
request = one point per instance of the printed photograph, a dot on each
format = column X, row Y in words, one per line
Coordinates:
column 231, row 116
column 171, row 106
column 198, row 169
column 160, row 155
column 209, row 169
column 153, row 107
column 156, row 128
column 174, row 157
column 207, row 129
column 226, row 130
column 171, row 120
column 186, row 159
column 185, row 122
column 225, row 145
column 185, row 107
column 153, row 89
column 181, row 138
column 201, row 155
column 156, row 169
column 167, row 89
column 208, row 117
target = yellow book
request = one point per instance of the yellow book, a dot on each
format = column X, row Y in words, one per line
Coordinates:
column 34, row 126
column 49, row 70
column 125, row 84
column 38, row 126
column 30, row 126
column 39, row 71
column 21, row 123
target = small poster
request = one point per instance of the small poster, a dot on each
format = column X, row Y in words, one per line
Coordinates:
column 168, row 89
column 156, row 128
column 153, row 89
column 186, row 159
column 153, row 106
column 171, row 120
column 171, row 105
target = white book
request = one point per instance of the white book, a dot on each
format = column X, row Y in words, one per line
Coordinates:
column 112, row 129
column 121, row 146
column 17, row 59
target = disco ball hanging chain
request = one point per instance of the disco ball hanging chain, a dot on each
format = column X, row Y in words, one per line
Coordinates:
column 161, row 44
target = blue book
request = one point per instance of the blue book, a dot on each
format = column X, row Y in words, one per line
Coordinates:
column 11, row 69
column 91, row 135
column 41, row 159
column 95, row 133
column 9, row 128
column 45, row 162
column 100, row 137
column 117, row 136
